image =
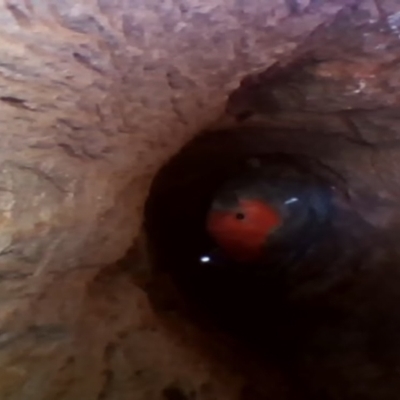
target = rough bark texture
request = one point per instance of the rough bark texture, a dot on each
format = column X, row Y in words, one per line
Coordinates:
column 337, row 100
column 95, row 96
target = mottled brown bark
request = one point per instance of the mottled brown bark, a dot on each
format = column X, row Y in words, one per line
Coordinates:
column 94, row 97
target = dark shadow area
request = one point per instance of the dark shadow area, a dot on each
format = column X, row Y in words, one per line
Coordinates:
column 281, row 309
column 175, row 216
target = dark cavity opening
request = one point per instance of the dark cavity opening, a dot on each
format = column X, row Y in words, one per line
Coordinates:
column 240, row 299
column 273, row 309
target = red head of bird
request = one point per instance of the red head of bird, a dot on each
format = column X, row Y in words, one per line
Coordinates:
column 263, row 208
column 242, row 230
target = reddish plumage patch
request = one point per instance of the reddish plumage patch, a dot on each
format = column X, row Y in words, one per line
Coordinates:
column 242, row 232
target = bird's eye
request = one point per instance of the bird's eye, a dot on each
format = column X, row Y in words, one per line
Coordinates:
column 239, row 216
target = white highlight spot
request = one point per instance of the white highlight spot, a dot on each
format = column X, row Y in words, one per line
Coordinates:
column 292, row 200
column 205, row 259
column 361, row 87
column 394, row 23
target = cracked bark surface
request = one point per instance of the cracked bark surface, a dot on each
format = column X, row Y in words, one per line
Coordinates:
column 95, row 96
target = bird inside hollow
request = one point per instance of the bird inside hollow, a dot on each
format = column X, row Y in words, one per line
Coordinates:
column 269, row 213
